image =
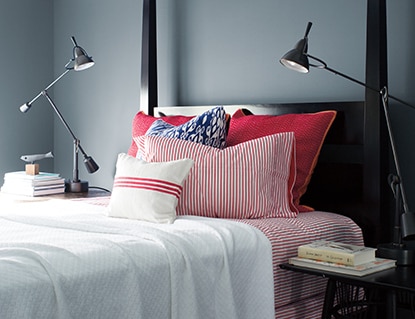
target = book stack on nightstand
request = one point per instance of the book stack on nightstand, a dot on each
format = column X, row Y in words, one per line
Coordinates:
column 20, row 183
column 340, row 258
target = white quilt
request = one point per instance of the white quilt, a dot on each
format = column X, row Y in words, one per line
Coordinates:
column 65, row 259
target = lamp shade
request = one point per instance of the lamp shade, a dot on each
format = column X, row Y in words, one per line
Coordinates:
column 296, row 59
column 90, row 164
column 82, row 60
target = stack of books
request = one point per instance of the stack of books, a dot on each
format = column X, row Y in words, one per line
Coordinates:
column 340, row 258
column 20, row 183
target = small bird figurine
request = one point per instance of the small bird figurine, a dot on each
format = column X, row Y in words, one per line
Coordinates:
column 36, row 157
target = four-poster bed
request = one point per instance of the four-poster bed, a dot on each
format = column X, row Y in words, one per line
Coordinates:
column 361, row 193
column 351, row 176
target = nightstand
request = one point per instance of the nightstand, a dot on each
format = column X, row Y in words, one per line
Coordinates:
column 93, row 192
column 379, row 295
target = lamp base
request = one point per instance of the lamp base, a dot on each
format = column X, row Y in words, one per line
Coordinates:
column 404, row 253
column 76, row 187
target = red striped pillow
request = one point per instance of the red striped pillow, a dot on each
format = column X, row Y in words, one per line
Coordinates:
column 147, row 191
column 249, row 180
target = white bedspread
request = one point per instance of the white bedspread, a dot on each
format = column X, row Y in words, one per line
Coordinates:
column 64, row 259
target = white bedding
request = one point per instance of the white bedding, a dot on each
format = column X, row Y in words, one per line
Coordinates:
column 65, row 259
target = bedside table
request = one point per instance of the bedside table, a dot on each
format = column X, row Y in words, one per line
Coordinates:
column 93, row 192
column 378, row 293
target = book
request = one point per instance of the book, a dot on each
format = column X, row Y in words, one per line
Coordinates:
column 33, row 182
column 360, row 270
column 33, row 191
column 19, row 175
column 20, row 183
column 337, row 252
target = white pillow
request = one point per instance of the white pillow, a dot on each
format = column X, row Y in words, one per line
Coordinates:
column 147, row 191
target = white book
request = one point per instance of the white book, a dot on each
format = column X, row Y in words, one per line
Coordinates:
column 33, row 191
column 23, row 175
column 33, row 183
column 342, row 253
column 360, row 270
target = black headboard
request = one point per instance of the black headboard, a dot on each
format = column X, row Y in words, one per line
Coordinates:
column 350, row 177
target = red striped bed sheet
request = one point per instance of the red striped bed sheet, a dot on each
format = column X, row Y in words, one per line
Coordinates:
column 285, row 235
column 294, row 292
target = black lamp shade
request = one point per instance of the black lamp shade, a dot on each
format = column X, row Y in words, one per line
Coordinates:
column 296, row 59
column 82, row 60
column 90, row 164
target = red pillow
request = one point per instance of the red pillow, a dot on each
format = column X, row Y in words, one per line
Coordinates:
column 309, row 129
column 142, row 122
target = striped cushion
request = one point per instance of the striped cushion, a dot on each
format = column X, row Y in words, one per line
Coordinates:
column 249, row 180
column 147, row 191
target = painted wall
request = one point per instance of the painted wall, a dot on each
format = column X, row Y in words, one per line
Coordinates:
column 98, row 103
column 210, row 52
column 26, row 64
column 229, row 50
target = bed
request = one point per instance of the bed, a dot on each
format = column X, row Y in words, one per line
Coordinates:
column 88, row 260
column 128, row 256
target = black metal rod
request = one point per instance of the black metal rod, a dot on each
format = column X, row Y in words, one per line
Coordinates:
column 55, row 108
column 76, row 142
column 384, row 94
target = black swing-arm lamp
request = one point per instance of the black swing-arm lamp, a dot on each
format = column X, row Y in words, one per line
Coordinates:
column 297, row 60
column 81, row 61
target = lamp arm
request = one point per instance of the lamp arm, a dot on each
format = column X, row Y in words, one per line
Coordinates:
column 384, row 94
column 323, row 65
column 77, row 145
column 49, row 86
column 55, row 108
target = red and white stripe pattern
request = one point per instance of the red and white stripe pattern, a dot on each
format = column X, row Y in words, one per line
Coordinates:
column 248, row 180
column 297, row 295
column 147, row 191
column 151, row 184
column 286, row 234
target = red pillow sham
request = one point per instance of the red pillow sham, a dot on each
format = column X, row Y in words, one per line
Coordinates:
column 310, row 130
column 249, row 180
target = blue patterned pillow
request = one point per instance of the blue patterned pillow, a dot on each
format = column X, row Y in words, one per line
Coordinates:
column 208, row 129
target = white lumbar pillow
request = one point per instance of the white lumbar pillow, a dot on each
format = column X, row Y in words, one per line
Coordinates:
column 147, row 191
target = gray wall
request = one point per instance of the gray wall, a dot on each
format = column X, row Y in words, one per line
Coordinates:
column 210, row 52
column 26, row 61
column 229, row 50
column 99, row 103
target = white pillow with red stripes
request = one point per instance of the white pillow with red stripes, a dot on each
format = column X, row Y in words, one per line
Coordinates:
column 248, row 180
column 147, row 191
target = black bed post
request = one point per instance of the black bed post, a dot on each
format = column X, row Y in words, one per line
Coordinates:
column 376, row 159
column 148, row 92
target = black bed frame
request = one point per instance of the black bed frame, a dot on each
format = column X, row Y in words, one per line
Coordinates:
column 351, row 175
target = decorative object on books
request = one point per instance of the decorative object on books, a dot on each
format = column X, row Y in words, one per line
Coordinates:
column 360, row 270
column 33, row 168
column 402, row 248
column 20, row 183
column 81, row 61
column 335, row 252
